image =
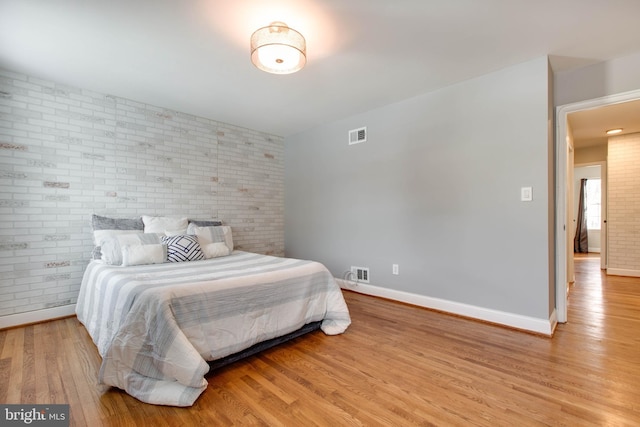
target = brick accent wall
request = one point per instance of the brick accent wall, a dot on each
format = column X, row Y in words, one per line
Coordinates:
column 623, row 219
column 66, row 153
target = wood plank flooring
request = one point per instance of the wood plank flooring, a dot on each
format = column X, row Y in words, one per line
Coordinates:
column 397, row 365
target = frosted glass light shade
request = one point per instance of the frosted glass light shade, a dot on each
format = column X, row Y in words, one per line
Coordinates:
column 278, row 49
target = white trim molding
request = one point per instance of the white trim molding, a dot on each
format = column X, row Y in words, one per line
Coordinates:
column 37, row 316
column 623, row 272
column 511, row 320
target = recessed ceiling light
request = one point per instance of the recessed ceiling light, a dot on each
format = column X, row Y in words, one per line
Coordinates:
column 614, row 131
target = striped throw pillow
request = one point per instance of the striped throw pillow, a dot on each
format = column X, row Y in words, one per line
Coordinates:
column 182, row 248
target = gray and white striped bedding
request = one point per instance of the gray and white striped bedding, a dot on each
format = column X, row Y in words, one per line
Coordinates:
column 155, row 326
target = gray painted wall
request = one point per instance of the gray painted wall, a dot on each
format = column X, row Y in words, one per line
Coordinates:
column 618, row 75
column 435, row 189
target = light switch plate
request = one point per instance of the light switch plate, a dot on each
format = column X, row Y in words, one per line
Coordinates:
column 526, row 194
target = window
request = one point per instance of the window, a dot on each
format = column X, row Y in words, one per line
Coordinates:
column 593, row 199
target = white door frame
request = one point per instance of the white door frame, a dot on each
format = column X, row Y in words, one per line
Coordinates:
column 604, row 206
column 562, row 228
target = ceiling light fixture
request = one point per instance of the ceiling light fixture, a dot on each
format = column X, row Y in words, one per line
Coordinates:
column 614, row 131
column 278, row 49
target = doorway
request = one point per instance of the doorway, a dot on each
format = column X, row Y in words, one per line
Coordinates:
column 564, row 199
column 595, row 205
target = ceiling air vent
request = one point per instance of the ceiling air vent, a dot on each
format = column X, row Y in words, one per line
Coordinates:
column 357, row 136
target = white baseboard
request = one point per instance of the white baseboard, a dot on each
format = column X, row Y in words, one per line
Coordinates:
column 623, row 272
column 594, row 250
column 530, row 324
column 37, row 316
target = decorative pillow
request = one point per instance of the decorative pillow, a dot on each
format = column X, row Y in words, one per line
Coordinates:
column 105, row 228
column 193, row 226
column 215, row 250
column 112, row 248
column 182, row 248
column 215, row 234
column 106, row 223
column 165, row 225
column 204, row 223
column 144, row 254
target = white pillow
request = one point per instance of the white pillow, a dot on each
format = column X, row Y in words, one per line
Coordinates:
column 144, row 254
column 112, row 248
column 207, row 235
column 215, row 250
column 101, row 236
column 165, row 225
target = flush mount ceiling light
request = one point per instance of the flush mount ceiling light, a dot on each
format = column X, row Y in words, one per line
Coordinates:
column 278, row 49
column 614, row 131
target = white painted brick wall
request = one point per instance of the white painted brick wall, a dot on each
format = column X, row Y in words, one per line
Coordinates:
column 623, row 222
column 66, row 153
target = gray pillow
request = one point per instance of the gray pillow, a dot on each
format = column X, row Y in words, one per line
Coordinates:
column 105, row 223
column 204, row 223
column 105, row 227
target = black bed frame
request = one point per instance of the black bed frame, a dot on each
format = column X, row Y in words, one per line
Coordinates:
column 261, row 346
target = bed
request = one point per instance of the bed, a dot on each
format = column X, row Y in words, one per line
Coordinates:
column 160, row 328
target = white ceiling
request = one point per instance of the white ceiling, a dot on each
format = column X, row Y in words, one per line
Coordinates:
column 193, row 55
column 589, row 126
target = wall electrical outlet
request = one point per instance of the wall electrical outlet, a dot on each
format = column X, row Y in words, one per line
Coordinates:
column 395, row 269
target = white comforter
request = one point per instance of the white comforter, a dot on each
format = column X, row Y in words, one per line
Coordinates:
column 155, row 326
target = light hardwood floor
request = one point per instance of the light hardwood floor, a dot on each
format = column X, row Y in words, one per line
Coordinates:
column 396, row 365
